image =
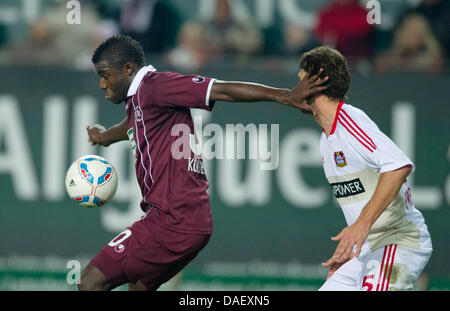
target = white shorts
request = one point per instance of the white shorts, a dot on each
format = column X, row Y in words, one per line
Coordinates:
column 391, row 267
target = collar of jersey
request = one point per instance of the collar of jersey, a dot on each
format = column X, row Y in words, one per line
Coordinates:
column 138, row 79
column 336, row 117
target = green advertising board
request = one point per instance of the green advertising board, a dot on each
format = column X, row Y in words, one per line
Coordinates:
column 272, row 226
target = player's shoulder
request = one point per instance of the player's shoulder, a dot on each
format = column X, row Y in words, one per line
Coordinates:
column 354, row 112
column 358, row 126
column 164, row 78
column 158, row 80
column 157, row 75
column 357, row 117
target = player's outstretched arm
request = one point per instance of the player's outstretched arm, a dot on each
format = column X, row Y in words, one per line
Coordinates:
column 97, row 134
column 232, row 91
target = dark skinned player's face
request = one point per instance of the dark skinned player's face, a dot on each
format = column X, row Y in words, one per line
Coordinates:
column 114, row 81
column 301, row 75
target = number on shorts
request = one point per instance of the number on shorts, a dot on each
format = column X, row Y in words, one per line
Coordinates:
column 120, row 238
column 369, row 285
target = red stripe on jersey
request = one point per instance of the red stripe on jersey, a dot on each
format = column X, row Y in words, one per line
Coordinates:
column 387, row 266
column 381, row 268
column 333, row 128
column 343, row 122
column 361, row 131
column 390, row 268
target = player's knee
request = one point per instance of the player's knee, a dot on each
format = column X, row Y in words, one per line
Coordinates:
column 138, row 286
column 93, row 280
column 88, row 285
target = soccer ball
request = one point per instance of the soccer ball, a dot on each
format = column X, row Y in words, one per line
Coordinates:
column 91, row 181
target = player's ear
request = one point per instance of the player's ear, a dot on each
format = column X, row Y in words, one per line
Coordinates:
column 128, row 69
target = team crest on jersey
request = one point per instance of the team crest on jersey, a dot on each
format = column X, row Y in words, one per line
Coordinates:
column 138, row 114
column 339, row 159
column 198, row 79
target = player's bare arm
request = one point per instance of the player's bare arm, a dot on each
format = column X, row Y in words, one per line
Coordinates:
column 97, row 134
column 387, row 189
column 250, row 92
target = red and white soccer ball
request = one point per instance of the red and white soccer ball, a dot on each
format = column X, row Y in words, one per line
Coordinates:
column 91, row 181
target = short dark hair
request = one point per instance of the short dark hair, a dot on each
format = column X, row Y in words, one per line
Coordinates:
column 334, row 66
column 119, row 50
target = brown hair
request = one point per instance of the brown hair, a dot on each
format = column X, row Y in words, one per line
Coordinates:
column 334, row 66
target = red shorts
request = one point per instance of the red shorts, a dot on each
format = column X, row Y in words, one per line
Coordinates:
column 148, row 252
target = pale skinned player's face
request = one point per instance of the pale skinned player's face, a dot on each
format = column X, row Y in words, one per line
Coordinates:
column 114, row 82
column 301, row 74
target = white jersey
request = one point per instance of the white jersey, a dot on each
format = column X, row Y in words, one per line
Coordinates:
column 354, row 155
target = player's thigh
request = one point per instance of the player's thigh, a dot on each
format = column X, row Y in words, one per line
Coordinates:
column 346, row 278
column 393, row 267
column 396, row 268
column 111, row 258
column 159, row 274
column 408, row 265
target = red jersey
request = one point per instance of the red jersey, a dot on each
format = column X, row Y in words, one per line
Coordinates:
column 176, row 187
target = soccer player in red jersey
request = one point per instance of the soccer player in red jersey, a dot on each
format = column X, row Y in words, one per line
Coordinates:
column 177, row 223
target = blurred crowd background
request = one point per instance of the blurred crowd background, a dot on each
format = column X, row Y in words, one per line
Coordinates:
column 412, row 35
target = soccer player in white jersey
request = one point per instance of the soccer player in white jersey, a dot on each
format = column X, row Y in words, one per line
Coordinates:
column 386, row 244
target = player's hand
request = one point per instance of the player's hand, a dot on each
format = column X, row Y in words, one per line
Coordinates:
column 348, row 238
column 333, row 268
column 335, row 263
column 307, row 87
column 95, row 135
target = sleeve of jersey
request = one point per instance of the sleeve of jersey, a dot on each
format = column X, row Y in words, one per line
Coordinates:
column 380, row 152
column 175, row 90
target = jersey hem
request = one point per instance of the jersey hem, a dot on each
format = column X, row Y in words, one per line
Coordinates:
column 157, row 219
column 384, row 243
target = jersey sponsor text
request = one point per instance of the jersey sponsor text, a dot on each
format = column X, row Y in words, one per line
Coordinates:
column 347, row 188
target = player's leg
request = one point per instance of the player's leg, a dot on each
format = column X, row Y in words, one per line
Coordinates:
column 172, row 284
column 105, row 270
column 375, row 276
column 367, row 272
column 346, row 278
column 175, row 260
column 391, row 267
column 137, row 287
column 407, row 267
column 399, row 268
column 92, row 279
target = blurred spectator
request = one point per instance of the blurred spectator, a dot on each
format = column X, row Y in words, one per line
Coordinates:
column 437, row 13
column 230, row 35
column 153, row 23
column 343, row 24
column 39, row 47
column 191, row 52
column 52, row 41
column 297, row 39
column 103, row 30
column 203, row 41
column 414, row 48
